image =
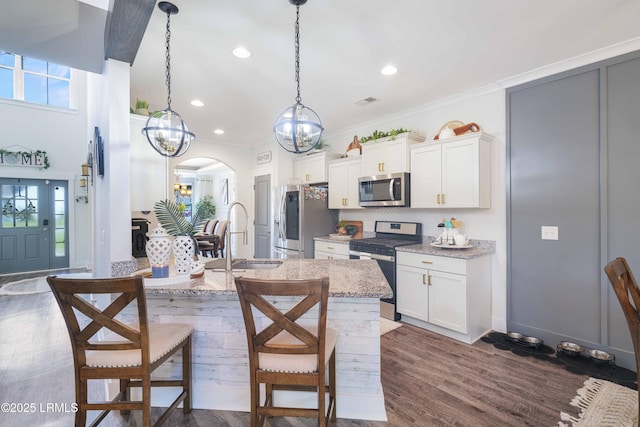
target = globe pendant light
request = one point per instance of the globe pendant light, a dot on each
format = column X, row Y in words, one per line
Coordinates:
column 165, row 130
column 298, row 129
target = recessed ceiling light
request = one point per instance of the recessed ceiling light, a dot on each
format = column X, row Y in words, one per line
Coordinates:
column 197, row 103
column 218, row 132
column 241, row 52
column 389, row 70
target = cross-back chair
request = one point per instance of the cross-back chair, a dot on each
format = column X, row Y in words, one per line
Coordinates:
column 289, row 353
column 128, row 352
column 628, row 293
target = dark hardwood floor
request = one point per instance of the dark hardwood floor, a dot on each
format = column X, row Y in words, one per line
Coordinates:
column 428, row 380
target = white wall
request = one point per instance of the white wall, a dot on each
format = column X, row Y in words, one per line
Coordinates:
column 62, row 133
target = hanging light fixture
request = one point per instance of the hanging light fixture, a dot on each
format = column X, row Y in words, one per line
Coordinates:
column 298, row 129
column 165, row 130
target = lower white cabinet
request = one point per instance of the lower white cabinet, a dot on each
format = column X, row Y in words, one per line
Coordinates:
column 331, row 250
column 450, row 296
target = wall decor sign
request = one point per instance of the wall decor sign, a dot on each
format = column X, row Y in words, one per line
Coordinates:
column 24, row 157
column 263, row 157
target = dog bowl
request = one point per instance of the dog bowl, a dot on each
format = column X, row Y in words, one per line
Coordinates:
column 570, row 348
column 514, row 336
column 532, row 341
column 600, row 355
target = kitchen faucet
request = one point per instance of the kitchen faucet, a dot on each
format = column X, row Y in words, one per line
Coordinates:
column 228, row 232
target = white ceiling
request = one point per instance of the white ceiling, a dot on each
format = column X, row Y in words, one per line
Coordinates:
column 441, row 48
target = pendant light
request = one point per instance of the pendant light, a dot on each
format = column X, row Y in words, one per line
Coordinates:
column 298, row 129
column 165, row 130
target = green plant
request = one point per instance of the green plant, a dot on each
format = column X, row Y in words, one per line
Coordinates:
column 206, row 206
column 378, row 135
column 321, row 145
column 142, row 104
column 171, row 217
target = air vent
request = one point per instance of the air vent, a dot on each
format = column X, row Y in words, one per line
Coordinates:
column 366, row 101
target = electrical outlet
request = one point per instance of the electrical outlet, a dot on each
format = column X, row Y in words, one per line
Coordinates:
column 549, row 232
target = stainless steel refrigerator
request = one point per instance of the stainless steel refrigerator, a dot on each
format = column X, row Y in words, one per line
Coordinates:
column 302, row 215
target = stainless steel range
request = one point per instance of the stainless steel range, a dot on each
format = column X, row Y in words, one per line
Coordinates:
column 382, row 248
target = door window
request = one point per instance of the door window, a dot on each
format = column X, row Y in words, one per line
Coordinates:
column 19, row 206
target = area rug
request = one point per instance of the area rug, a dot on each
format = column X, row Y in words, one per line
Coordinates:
column 37, row 285
column 34, row 285
column 603, row 404
column 387, row 325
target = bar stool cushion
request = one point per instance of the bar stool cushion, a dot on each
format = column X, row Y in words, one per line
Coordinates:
column 163, row 337
column 294, row 362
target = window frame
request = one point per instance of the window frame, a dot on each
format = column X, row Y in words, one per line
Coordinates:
column 18, row 84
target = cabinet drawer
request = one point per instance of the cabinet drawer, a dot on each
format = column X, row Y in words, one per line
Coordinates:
column 432, row 262
column 333, row 248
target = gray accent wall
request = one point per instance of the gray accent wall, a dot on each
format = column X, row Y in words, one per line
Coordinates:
column 572, row 162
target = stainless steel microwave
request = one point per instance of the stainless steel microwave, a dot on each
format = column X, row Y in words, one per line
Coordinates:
column 385, row 190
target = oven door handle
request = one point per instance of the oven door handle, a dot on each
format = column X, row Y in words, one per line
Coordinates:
column 377, row 257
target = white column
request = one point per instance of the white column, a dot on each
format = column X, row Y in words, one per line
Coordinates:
column 111, row 201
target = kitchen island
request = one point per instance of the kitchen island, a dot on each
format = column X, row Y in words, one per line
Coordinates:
column 220, row 362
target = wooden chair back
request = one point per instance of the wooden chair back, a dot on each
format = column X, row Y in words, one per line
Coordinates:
column 626, row 288
column 313, row 292
column 221, row 229
column 84, row 338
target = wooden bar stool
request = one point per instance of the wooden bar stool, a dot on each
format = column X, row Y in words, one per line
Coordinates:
column 289, row 354
column 129, row 353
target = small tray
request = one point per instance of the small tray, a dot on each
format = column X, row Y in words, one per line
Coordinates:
column 448, row 246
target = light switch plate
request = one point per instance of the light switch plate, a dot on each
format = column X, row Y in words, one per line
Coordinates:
column 549, row 232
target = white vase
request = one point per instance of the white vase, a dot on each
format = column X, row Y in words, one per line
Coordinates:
column 183, row 251
column 158, row 247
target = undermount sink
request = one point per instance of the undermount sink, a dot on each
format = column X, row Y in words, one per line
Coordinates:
column 255, row 264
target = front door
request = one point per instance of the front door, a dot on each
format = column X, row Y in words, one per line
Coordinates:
column 262, row 205
column 34, row 231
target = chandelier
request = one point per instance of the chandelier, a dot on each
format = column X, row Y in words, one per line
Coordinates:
column 298, row 129
column 165, row 130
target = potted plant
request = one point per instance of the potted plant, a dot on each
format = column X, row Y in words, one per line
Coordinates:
column 142, row 107
column 206, row 206
column 170, row 215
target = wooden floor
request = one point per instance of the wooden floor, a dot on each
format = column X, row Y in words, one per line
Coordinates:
column 428, row 380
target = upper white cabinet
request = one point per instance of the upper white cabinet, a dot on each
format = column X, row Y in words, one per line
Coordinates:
column 388, row 155
column 452, row 173
column 343, row 182
column 312, row 168
column 147, row 168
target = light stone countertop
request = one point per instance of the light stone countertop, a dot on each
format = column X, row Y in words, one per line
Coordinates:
column 347, row 278
column 480, row 248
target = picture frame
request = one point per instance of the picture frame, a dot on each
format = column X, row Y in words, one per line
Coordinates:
column 225, row 191
column 99, row 152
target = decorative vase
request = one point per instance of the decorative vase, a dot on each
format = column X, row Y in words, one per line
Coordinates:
column 158, row 250
column 142, row 111
column 183, row 251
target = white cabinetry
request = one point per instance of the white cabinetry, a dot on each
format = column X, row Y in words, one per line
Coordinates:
column 453, row 173
column 312, row 168
column 388, row 155
column 331, row 250
column 343, row 183
column 450, row 296
column 147, row 168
